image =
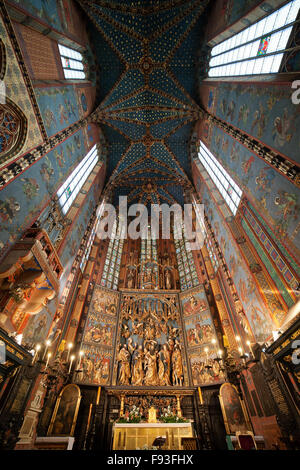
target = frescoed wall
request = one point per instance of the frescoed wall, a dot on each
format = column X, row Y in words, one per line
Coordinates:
column 264, row 111
column 59, row 107
column 62, row 15
column 16, row 91
column 98, row 337
column 37, row 326
column 23, row 199
column 62, row 106
column 200, row 331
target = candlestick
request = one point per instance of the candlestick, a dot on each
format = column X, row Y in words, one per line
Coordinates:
column 37, row 348
column 71, row 362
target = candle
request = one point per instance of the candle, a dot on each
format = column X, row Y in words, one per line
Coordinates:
column 200, row 395
column 71, row 362
column 47, row 345
column 48, row 357
column 214, row 342
column 249, row 344
column 81, row 353
column 70, row 346
column 206, row 351
column 220, row 353
column 37, row 348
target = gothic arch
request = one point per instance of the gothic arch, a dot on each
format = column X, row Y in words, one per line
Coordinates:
column 13, row 129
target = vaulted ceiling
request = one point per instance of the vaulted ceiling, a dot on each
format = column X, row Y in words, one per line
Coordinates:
column 146, row 52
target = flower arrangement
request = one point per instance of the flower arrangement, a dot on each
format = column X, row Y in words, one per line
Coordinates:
column 168, row 417
column 133, row 416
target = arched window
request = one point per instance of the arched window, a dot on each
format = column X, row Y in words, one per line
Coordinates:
column 13, row 130
column 259, row 48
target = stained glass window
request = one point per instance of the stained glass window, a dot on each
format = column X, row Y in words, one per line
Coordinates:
column 73, row 184
column 225, row 184
column 257, row 49
column 72, row 62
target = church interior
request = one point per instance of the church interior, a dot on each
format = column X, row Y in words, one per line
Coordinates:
column 128, row 343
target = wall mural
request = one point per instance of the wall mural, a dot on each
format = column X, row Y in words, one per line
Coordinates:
column 47, row 11
column 59, row 107
column 151, row 348
column 16, row 91
column 98, row 338
column 37, row 327
column 23, row 199
column 200, row 331
column 258, row 317
column 62, row 15
column 264, row 111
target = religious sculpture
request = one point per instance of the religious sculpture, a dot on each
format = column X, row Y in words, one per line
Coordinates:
column 130, row 279
column 177, row 366
column 150, row 334
column 124, row 359
column 151, row 377
column 164, row 366
column 137, row 375
column 168, row 279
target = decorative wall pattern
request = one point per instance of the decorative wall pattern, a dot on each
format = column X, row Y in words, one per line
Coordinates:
column 17, row 92
column 98, row 337
column 263, row 110
column 59, row 107
column 23, row 199
column 200, row 331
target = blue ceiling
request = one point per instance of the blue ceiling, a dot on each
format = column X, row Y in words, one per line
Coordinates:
column 146, row 52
